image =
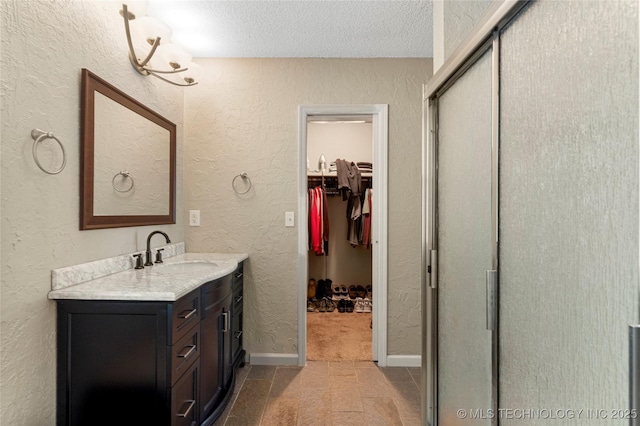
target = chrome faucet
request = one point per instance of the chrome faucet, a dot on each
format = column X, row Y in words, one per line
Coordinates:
column 149, row 262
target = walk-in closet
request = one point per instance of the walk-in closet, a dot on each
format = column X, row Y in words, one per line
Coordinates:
column 340, row 192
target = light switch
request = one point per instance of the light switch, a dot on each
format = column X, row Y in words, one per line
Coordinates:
column 289, row 220
column 194, row 217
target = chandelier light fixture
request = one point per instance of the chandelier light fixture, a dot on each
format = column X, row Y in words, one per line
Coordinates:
column 151, row 51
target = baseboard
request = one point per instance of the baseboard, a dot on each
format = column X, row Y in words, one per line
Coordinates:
column 404, row 361
column 273, row 359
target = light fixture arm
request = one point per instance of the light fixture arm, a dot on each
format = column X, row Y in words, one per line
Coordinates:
column 141, row 66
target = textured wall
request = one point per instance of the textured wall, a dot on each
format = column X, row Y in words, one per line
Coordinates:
column 244, row 119
column 569, row 207
column 44, row 45
column 459, row 19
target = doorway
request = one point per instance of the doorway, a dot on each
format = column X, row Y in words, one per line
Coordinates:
column 377, row 116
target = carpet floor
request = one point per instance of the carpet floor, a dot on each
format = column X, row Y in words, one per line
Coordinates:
column 334, row 336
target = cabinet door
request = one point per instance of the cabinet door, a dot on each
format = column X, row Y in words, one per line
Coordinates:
column 226, row 343
column 236, row 331
column 112, row 363
column 215, row 296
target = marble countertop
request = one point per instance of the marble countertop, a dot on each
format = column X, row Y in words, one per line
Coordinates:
column 176, row 277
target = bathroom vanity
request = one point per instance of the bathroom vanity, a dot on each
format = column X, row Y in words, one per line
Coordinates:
column 157, row 346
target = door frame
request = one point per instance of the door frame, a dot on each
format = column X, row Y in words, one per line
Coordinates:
column 380, row 116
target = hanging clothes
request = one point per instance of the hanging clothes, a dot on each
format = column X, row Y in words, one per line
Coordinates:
column 315, row 236
column 366, row 213
column 349, row 178
column 318, row 221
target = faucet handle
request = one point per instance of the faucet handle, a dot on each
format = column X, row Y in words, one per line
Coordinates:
column 159, row 256
column 138, row 261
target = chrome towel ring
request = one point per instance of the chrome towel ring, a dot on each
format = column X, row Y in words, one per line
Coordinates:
column 39, row 136
column 125, row 174
column 243, row 176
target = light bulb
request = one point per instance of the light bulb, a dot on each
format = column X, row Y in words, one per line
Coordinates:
column 148, row 29
column 173, row 55
column 193, row 74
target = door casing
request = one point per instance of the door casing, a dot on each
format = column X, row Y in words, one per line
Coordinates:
column 379, row 113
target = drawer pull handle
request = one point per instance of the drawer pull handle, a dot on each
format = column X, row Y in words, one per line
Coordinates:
column 238, row 334
column 192, row 349
column 225, row 322
column 188, row 314
column 239, row 299
column 239, row 275
column 191, row 402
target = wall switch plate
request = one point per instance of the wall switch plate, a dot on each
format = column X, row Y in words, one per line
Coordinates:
column 289, row 220
column 194, row 217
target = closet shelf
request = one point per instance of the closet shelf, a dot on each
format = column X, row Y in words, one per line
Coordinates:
column 331, row 182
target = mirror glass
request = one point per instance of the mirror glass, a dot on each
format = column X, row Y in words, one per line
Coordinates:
column 128, row 158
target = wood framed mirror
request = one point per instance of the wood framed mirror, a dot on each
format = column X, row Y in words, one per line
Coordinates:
column 128, row 156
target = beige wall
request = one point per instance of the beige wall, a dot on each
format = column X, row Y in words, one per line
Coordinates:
column 44, row 45
column 244, row 119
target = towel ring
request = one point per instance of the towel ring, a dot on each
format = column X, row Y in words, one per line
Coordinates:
column 39, row 136
column 243, row 176
column 125, row 174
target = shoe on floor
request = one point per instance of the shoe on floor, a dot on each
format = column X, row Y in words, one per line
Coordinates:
column 335, row 290
column 342, row 306
column 311, row 306
column 349, row 306
column 330, row 305
column 320, row 290
column 366, row 305
column 359, row 305
column 344, row 294
column 352, row 292
column 370, row 292
column 311, row 289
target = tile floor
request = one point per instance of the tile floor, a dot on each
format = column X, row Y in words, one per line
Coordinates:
column 325, row 393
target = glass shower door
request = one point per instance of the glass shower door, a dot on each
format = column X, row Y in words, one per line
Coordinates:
column 568, row 212
column 464, row 247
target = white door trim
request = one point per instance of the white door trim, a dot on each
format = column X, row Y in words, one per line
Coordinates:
column 380, row 114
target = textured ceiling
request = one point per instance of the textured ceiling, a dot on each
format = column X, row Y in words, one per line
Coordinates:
column 299, row 28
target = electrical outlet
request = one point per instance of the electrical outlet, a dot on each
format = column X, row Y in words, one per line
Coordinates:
column 194, row 217
column 289, row 220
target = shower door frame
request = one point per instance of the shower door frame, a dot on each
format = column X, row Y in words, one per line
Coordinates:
column 484, row 36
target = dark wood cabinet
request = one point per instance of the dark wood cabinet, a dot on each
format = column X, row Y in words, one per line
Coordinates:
column 146, row 363
column 216, row 298
column 237, row 351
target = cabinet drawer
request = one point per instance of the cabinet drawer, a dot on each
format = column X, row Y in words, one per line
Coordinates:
column 184, row 399
column 184, row 353
column 215, row 292
column 238, row 298
column 238, row 276
column 186, row 313
column 236, row 329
